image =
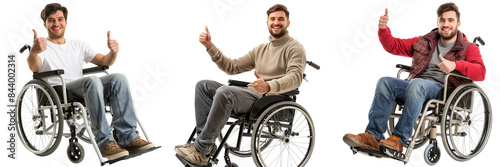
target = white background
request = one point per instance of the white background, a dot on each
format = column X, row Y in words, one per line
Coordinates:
column 162, row 58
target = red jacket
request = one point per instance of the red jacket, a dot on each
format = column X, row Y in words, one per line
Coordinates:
column 468, row 61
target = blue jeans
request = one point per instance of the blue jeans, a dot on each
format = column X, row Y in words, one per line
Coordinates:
column 214, row 103
column 414, row 93
column 113, row 87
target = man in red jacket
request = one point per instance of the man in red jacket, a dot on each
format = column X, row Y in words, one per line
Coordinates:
column 434, row 55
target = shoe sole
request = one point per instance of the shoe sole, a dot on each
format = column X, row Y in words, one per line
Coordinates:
column 143, row 148
column 117, row 155
column 355, row 143
column 389, row 148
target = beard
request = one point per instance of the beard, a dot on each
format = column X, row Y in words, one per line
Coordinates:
column 453, row 34
column 55, row 36
column 279, row 34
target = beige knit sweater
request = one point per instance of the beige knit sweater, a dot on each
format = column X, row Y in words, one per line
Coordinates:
column 281, row 63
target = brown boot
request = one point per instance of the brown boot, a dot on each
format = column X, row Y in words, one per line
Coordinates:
column 113, row 151
column 212, row 153
column 391, row 143
column 139, row 145
column 363, row 140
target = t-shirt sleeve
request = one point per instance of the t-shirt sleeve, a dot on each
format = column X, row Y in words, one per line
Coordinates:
column 88, row 53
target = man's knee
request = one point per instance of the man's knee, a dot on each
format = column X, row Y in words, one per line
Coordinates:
column 92, row 82
column 418, row 85
column 117, row 77
column 205, row 85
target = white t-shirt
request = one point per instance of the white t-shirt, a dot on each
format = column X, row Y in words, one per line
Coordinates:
column 69, row 57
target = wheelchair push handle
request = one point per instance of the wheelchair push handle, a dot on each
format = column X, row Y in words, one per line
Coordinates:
column 26, row 46
column 312, row 64
column 478, row 39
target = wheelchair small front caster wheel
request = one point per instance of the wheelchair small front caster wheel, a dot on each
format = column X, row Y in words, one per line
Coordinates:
column 432, row 154
column 232, row 165
column 75, row 154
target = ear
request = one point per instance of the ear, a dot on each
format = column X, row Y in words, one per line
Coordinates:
column 288, row 24
column 458, row 25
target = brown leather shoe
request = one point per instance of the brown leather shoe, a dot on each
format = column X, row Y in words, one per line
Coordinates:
column 113, row 151
column 139, row 145
column 391, row 143
column 212, row 153
column 363, row 140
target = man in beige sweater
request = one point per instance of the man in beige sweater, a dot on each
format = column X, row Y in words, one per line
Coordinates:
column 278, row 65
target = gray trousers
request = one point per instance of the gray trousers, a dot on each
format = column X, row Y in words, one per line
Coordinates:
column 214, row 103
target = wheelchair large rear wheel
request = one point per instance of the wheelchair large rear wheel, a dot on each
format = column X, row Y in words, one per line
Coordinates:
column 39, row 121
column 292, row 131
column 232, row 141
column 466, row 124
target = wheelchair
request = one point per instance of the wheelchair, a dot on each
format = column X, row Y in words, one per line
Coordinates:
column 41, row 111
column 463, row 114
column 276, row 132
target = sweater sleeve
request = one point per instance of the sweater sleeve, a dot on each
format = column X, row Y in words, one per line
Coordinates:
column 396, row 46
column 473, row 66
column 232, row 66
column 295, row 69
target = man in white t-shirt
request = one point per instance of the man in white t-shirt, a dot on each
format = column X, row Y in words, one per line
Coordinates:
column 57, row 52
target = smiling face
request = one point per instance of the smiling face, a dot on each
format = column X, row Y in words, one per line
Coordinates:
column 277, row 22
column 447, row 26
column 56, row 25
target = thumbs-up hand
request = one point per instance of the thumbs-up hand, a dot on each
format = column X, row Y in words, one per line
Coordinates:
column 39, row 44
column 382, row 23
column 446, row 66
column 260, row 85
column 206, row 38
column 112, row 44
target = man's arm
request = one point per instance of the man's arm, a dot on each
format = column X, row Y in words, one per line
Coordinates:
column 396, row 46
column 109, row 59
column 228, row 65
column 296, row 64
column 473, row 66
column 39, row 45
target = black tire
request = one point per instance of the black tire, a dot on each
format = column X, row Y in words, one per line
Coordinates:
column 466, row 122
column 39, row 120
column 76, row 154
column 245, row 146
column 292, row 131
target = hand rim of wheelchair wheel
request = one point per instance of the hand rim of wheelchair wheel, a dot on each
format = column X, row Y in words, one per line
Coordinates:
column 451, row 107
column 57, row 127
column 266, row 117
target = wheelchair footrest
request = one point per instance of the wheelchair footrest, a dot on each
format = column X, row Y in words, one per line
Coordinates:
column 131, row 155
column 370, row 152
column 394, row 154
column 189, row 164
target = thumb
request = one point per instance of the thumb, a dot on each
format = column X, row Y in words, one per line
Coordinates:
column 109, row 34
column 386, row 11
column 36, row 35
column 257, row 75
column 206, row 29
column 441, row 57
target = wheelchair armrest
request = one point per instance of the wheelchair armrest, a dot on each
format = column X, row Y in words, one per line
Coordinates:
column 402, row 66
column 95, row 69
column 237, row 83
column 39, row 75
column 291, row 93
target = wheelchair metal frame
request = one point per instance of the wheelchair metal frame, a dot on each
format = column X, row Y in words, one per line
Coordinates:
column 82, row 112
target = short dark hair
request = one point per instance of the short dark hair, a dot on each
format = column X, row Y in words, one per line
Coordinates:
column 448, row 7
column 52, row 8
column 278, row 7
